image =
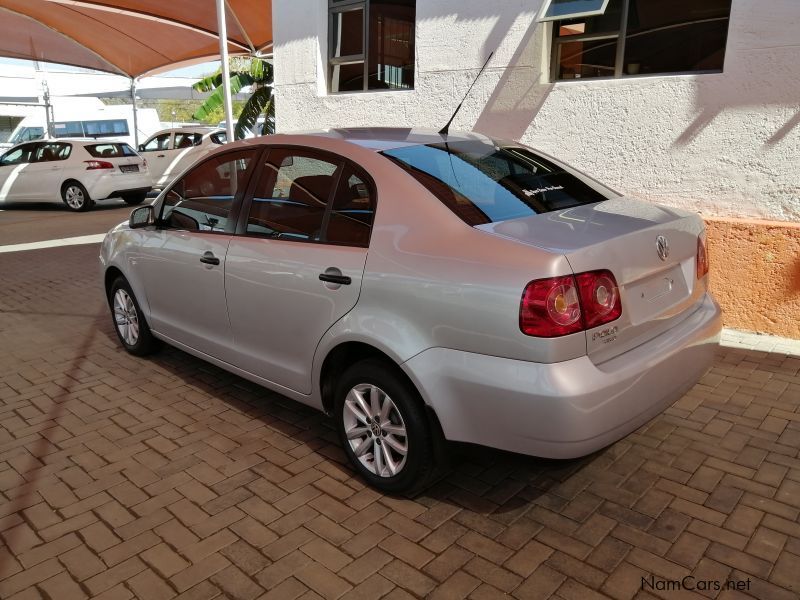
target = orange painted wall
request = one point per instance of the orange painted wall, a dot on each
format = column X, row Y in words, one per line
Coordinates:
column 755, row 274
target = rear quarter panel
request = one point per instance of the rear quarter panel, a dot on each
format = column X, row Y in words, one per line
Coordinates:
column 431, row 280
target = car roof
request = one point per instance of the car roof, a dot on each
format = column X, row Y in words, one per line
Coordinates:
column 74, row 140
column 204, row 129
column 388, row 138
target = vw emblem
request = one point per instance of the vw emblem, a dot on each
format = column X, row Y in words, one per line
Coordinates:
column 662, row 247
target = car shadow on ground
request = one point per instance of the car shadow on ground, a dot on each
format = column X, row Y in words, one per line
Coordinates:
column 484, row 480
column 61, row 207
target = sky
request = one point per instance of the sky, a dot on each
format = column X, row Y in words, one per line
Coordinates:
column 198, row 70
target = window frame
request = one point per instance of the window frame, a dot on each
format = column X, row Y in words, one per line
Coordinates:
column 621, row 37
column 337, row 159
column 340, row 6
column 543, row 18
column 233, row 219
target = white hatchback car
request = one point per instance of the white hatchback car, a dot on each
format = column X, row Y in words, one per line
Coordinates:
column 75, row 171
column 171, row 151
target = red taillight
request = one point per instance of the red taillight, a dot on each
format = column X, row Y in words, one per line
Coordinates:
column 550, row 307
column 599, row 298
column 702, row 257
column 93, row 165
column 562, row 305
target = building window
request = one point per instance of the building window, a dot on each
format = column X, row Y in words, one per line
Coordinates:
column 371, row 45
column 638, row 37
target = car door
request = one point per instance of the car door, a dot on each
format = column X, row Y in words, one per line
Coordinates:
column 157, row 152
column 182, row 259
column 14, row 185
column 45, row 174
column 297, row 265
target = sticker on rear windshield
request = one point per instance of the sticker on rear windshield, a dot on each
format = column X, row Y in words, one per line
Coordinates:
column 552, row 188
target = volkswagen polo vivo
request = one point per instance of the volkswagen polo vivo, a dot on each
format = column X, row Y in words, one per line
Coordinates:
column 421, row 287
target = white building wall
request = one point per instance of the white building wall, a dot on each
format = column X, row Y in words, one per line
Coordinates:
column 724, row 144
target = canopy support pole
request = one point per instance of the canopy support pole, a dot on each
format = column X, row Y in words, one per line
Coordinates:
column 222, row 28
column 135, row 116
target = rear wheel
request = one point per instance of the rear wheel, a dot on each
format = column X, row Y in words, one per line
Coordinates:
column 76, row 197
column 383, row 427
column 129, row 322
column 134, row 198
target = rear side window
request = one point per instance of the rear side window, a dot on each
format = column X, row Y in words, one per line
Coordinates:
column 485, row 183
column 187, row 140
column 110, row 150
column 353, row 209
column 292, row 195
column 53, row 151
column 219, row 138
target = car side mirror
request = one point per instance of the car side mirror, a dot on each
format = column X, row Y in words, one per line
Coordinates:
column 141, row 147
column 142, row 217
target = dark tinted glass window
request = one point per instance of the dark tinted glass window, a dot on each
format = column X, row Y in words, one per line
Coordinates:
column 353, row 209
column 202, row 199
column 376, row 55
column 106, row 128
column 483, row 183
column 110, row 150
column 52, row 151
column 68, row 129
column 677, row 36
column 290, row 200
column 391, row 44
column 680, row 36
column 187, row 140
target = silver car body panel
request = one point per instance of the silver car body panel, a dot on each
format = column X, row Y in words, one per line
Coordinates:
column 441, row 299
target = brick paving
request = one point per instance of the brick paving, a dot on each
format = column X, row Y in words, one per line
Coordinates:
column 169, row 478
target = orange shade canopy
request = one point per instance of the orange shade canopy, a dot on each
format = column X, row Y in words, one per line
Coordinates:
column 131, row 37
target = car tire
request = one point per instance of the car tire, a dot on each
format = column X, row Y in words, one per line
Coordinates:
column 75, row 196
column 129, row 322
column 403, row 427
column 134, row 199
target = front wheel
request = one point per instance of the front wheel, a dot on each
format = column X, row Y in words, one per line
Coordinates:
column 76, row 197
column 129, row 322
column 133, row 199
column 383, row 427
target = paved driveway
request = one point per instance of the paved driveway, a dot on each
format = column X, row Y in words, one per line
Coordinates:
column 161, row 478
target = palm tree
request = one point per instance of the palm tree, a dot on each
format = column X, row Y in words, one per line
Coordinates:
column 254, row 72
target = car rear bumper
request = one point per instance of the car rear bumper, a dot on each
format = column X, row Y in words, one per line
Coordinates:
column 119, row 183
column 567, row 409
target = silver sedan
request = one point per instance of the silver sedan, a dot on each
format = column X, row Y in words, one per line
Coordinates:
column 421, row 288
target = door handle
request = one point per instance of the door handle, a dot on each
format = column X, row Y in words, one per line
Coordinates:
column 160, row 155
column 208, row 258
column 334, row 278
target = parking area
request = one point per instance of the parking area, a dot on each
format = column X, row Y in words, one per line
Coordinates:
column 168, row 477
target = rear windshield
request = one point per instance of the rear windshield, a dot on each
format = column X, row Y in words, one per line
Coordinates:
column 485, row 183
column 110, row 150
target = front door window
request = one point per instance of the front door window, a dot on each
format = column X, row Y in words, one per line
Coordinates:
column 202, row 199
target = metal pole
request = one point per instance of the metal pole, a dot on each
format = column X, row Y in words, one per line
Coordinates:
column 135, row 117
column 48, row 116
column 226, row 71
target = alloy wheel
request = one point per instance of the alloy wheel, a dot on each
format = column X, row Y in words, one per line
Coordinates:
column 74, row 197
column 125, row 317
column 375, row 430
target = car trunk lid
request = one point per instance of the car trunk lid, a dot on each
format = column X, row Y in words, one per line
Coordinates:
column 657, row 290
